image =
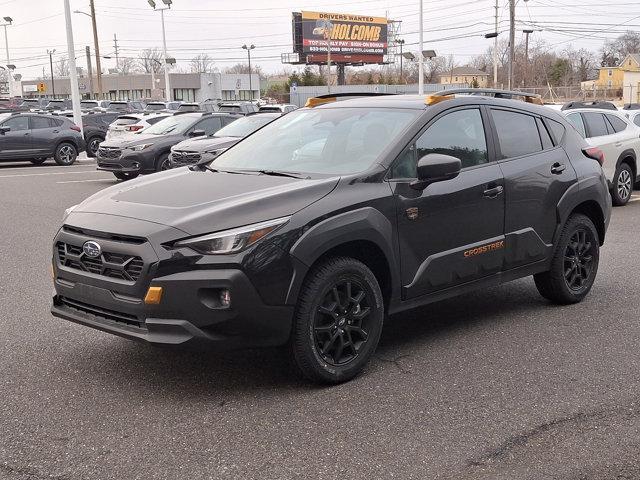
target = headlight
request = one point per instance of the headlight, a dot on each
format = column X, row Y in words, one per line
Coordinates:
column 137, row 148
column 68, row 211
column 232, row 241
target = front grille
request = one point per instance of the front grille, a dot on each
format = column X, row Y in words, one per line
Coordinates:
column 184, row 157
column 113, row 265
column 103, row 313
column 116, row 237
column 109, row 152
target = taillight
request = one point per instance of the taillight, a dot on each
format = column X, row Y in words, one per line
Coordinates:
column 595, row 153
column 76, row 128
column 133, row 128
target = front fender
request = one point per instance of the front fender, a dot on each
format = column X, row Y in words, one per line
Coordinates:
column 364, row 224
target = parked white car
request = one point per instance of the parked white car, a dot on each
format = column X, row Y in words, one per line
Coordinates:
column 278, row 107
column 619, row 139
column 633, row 116
column 132, row 123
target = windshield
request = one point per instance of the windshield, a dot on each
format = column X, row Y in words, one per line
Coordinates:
column 155, row 106
column 177, row 124
column 229, row 108
column 88, row 104
column 325, row 141
column 244, row 126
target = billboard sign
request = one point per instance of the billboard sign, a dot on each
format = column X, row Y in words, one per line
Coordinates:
column 348, row 34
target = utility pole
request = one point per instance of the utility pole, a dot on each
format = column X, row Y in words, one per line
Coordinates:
column 495, row 49
column 96, row 47
column 53, row 83
column 420, row 55
column 327, row 33
column 401, row 43
column 167, row 84
column 526, row 55
column 115, row 47
column 73, row 73
column 89, row 70
column 512, row 39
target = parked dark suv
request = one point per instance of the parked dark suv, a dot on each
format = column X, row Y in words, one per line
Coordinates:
column 36, row 137
column 95, row 126
column 148, row 151
column 312, row 230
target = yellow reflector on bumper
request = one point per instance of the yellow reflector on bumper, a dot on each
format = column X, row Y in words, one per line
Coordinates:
column 153, row 296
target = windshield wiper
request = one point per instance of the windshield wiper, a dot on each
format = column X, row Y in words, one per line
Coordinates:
column 202, row 166
column 276, row 173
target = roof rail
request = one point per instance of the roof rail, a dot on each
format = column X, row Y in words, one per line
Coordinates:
column 332, row 97
column 488, row 92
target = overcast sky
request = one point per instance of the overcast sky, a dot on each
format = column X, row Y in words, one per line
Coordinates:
column 220, row 27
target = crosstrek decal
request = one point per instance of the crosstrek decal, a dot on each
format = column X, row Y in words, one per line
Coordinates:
column 484, row 249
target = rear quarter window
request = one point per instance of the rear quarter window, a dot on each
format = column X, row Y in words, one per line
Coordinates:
column 618, row 124
column 557, row 130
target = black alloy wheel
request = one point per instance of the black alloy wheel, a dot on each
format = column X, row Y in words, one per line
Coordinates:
column 341, row 322
column 337, row 322
column 92, row 146
column 578, row 259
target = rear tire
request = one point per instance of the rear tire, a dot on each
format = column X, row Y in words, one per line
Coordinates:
column 66, row 154
column 338, row 321
column 38, row 161
column 574, row 265
column 622, row 185
column 125, row 175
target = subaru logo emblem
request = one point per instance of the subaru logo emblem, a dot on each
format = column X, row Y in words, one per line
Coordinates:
column 91, row 249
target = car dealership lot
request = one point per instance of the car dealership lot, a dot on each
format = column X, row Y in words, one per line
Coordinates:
column 494, row 384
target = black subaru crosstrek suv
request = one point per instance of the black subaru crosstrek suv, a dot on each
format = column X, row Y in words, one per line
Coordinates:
column 148, row 151
column 315, row 228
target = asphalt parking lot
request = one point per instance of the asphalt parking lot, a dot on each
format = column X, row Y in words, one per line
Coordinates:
column 497, row 384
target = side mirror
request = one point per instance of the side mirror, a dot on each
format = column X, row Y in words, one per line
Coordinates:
column 4, row 130
column 436, row 167
column 197, row 133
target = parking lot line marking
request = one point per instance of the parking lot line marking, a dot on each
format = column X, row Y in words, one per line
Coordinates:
column 4, row 168
column 50, row 173
column 93, row 180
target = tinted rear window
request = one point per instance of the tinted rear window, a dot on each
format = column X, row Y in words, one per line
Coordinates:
column 517, row 133
column 126, row 121
column 596, row 126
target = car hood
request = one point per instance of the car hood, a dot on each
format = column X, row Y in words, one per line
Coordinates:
column 136, row 139
column 199, row 202
column 202, row 144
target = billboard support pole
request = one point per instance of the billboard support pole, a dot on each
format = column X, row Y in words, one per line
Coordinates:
column 329, row 60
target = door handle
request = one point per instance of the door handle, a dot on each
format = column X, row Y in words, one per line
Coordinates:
column 558, row 168
column 26, row 134
column 493, row 192
column 56, row 131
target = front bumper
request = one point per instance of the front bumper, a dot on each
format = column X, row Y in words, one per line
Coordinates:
column 128, row 162
column 189, row 311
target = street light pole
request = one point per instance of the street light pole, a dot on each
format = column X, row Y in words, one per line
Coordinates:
column 495, row 49
column 248, row 49
column 512, row 39
column 420, row 57
column 526, row 55
column 8, row 21
column 53, row 83
column 401, row 43
column 167, row 85
column 73, row 73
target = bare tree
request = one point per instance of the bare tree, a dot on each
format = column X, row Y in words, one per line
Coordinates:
column 127, row 65
column 244, row 68
column 61, row 67
column 151, row 58
column 202, row 63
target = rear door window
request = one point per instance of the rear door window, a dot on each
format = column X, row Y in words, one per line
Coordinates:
column 636, row 120
column 517, row 133
column 557, row 130
column 618, row 124
column 544, row 135
column 38, row 123
column 575, row 119
column 595, row 124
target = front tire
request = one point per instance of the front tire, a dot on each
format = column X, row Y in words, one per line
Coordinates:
column 574, row 265
column 338, row 321
column 163, row 163
column 622, row 185
column 66, row 154
column 125, row 175
column 92, row 146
